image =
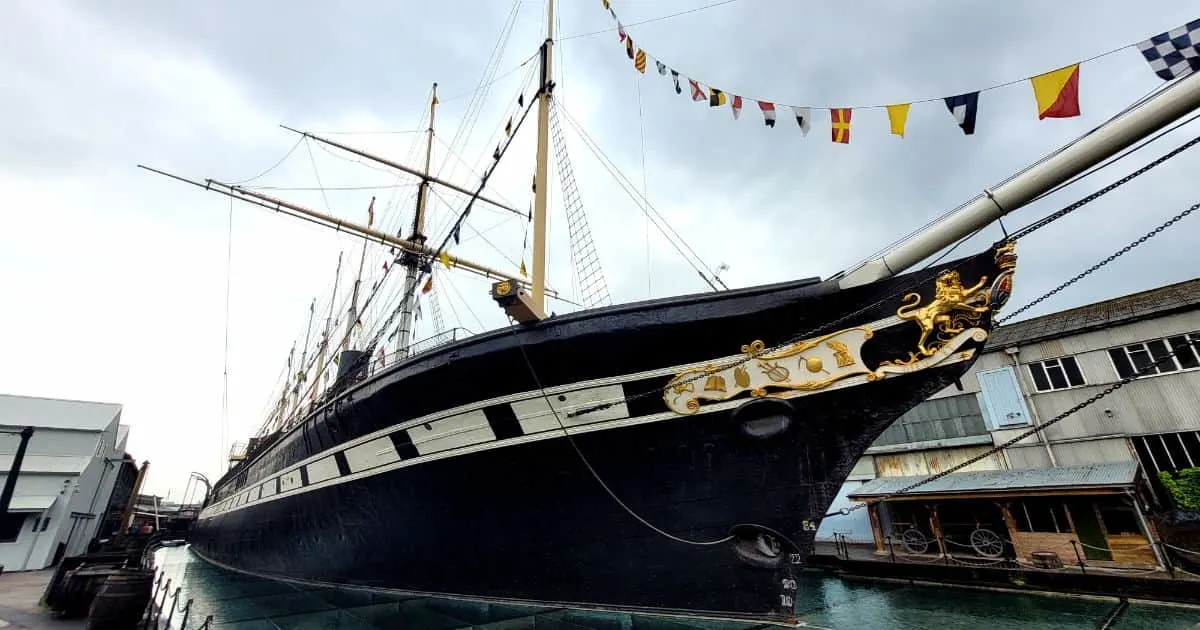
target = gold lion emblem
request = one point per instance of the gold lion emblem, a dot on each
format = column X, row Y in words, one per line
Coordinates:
column 953, row 306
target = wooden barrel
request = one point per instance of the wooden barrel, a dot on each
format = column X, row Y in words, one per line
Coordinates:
column 80, row 588
column 121, row 601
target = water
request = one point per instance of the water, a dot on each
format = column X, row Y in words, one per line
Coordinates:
column 241, row 602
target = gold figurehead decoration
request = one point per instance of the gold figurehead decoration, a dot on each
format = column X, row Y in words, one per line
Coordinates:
column 1006, row 260
column 948, row 321
column 808, row 365
column 954, row 308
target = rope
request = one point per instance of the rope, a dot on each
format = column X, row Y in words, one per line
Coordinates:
column 225, row 368
column 595, row 475
column 822, row 328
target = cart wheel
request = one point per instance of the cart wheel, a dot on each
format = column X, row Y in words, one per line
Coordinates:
column 986, row 543
column 914, row 541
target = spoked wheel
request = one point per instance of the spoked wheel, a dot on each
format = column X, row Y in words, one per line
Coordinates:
column 914, row 541
column 987, row 543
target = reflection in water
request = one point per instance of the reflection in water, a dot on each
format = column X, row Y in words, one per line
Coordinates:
column 240, row 602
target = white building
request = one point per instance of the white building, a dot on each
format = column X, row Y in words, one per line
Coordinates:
column 71, row 464
column 1032, row 371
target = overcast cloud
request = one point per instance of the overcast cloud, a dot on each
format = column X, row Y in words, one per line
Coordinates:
column 113, row 280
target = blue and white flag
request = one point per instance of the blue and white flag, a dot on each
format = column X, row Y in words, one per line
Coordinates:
column 963, row 107
column 1175, row 53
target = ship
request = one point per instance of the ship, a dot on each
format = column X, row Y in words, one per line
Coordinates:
column 668, row 456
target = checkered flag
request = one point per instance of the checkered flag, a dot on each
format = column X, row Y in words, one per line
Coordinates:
column 1174, row 53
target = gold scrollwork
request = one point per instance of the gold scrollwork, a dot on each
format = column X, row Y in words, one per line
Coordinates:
column 758, row 372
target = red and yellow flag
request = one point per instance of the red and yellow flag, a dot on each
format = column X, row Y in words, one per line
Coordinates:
column 841, row 124
column 1057, row 92
column 639, row 61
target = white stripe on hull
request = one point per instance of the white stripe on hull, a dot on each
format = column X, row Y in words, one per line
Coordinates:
column 465, row 429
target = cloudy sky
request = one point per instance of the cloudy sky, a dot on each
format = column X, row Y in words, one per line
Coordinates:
column 114, row 279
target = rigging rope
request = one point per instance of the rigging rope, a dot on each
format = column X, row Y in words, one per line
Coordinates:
column 1138, row 103
column 475, row 105
column 643, row 204
column 645, row 185
column 225, row 368
column 369, row 348
column 1153, row 367
column 1124, row 154
column 891, row 296
column 273, row 166
column 657, row 19
column 595, row 475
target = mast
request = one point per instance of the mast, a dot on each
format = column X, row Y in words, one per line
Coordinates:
column 283, row 397
column 352, row 314
column 1098, row 145
column 412, row 264
column 302, row 373
column 541, row 188
column 325, row 335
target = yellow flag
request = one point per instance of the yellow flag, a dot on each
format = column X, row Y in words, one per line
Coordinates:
column 523, row 274
column 445, row 258
column 898, row 116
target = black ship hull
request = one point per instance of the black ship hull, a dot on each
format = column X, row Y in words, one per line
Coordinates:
column 619, row 458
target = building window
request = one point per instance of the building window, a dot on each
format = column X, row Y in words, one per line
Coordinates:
column 10, row 527
column 1140, row 357
column 1168, row 451
column 1052, row 374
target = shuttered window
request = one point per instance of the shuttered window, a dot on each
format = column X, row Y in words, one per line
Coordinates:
column 1002, row 401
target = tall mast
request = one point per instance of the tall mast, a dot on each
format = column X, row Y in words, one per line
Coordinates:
column 541, row 186
column 352, row 313
column 325, row 335
column 412, row 263
column 1098, row 145
column 302, row 373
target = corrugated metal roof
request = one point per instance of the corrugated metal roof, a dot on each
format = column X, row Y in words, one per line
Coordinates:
column 1181, row 296
column 1090, row 475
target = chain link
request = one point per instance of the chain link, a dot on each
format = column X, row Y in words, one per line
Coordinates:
column 1026, row 231
column 1037, row 429
column 1037, row 225
column 1149, row 235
